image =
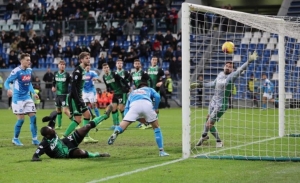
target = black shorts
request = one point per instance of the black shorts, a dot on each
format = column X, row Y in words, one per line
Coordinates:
column 72, row 141
column 61, row 101
column 75, row 110
column 120, row 98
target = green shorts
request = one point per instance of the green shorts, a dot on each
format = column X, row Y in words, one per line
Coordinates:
column 75, row 109
column 120, row 98
column 61, row 101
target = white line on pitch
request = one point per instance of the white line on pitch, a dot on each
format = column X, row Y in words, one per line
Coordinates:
column 205, row 154
column 136, row 171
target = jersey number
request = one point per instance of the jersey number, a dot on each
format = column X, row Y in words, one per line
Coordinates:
column 70, row 138
column 120, row 100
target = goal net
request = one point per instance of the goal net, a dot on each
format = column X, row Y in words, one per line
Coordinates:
column 260, row 121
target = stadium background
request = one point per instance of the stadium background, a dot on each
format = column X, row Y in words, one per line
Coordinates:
column 51, row 30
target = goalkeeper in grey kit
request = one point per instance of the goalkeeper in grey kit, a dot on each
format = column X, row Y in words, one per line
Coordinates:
column 223, row 86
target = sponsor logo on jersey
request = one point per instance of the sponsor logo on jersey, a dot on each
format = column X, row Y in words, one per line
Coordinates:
column 60, row 79
column 26, row 77
column 136, row 77
column 153, row 72
column 110, row 81
column 86, row 77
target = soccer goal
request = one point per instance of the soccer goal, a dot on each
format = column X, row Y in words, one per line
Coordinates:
column 252, row 129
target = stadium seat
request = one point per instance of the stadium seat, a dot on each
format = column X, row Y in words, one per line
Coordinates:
column 273, row 40
column 245, row 41
column 248, row 35
column 5, row 28
column 274, row 58
column 92, row 60
column 236, row 58
column 257, row 35
column 263, row 40
column 270, row 46
column 266, row 35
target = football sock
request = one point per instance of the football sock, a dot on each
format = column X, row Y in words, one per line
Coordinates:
column 71, row 128
column 122, row 113
column 206, row 129
column 97, row 112
column 264, row 106
column 18, row 127
column 119, row 129
column 215, row 133
column 158, row 138
column 85, row 122
column 99, row 119
column 59, row 116
column 115, row 117
column 93, row 155
column 33, row 127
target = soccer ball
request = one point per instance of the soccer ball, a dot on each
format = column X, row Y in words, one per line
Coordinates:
column 228, row 47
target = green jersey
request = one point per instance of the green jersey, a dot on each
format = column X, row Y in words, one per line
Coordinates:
column 124, row 74
column 61, row 82
column 140, row 76
column 156, row 74
column 77, row 84
column 115, row 83
column 54, row 148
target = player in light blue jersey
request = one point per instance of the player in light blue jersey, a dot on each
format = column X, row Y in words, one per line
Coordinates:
column 139, row 106
column 268, row 90
column 22, row 102
column 89, row 90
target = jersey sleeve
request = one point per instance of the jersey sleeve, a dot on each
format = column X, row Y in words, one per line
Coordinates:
column 54, row 81
column 123, row 82
column 40, row 150
column 236, row 73
column 161, row 75
column 146, row 77
column 108, row 88
column 155, row 95
column 210, row 84
column 76, row 79
column 11, row 78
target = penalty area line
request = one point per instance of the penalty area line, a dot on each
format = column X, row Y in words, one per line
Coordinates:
column 136, row 171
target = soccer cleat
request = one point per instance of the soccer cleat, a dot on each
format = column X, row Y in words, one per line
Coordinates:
column 112, row 138
column 201, row 140
column 163, row 153
column 143, row 127
column 58, row 128
column 35, row 142
column 17, row 142
column 219, row 144
column 92, row 115
column 139, row 125
column 89, row 140
column 104, row 155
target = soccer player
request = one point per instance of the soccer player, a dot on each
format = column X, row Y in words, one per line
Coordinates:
column 76, row 104
column 156, row 74
column 223, row 85
column 139, row 105
column 67, row 147
column 89, row 90
column 116, row 84
column 251, row 90
column 22, row 102
column 137, row 77
column 268, row 90
column 125, row 75
column 61, row 82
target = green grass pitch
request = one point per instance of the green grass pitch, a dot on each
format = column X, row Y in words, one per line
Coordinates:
column 135, row 149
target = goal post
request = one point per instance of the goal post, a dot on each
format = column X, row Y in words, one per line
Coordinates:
column 248, row 133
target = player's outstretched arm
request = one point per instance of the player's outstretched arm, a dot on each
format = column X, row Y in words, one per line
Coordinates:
column 235, row 74
column 39, row 151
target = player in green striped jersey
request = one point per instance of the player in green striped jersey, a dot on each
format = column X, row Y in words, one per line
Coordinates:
column 61, row 83
column 125, row 75
column 156, row 74
column 116, row 84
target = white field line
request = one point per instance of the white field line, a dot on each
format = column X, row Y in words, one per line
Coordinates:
column 235, row 147
column 135, row 171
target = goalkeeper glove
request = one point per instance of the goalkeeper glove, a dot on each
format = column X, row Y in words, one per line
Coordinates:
column 252, row 56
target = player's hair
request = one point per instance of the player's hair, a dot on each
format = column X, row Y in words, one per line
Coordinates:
column 119, row 60
column 142, row 84
column 230, row 62
column 82, row 55
column 154, row 57
column 104, row 64
column 137, row 60
column 44, row 131
column 62, row 62
column 23, row 55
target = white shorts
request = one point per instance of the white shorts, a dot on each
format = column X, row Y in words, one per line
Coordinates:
column 141, row 109
column 23, row 107
column 268, row 95
column 89, row 97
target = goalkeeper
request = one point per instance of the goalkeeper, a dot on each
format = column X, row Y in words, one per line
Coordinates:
column 66, row 147
column 223, row 85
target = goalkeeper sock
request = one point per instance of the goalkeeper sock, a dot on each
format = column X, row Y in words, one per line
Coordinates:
column 215, row 133
column 97, row 112
column 18, row 127
column 115, row 117
column 33, row 127
column 206, row 129
column 71, row 128
column 159, row 138
column 85, row 122
column 59, row 116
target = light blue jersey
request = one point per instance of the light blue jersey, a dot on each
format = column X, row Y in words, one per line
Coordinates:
column 89, row 84
column 144, row 93
column 268, row 86
column 22, row 86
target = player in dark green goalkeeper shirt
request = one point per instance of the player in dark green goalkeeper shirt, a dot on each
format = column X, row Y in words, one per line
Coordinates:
column 61, row 83
column 116, row 84
column 125, row 75
column 67, row 147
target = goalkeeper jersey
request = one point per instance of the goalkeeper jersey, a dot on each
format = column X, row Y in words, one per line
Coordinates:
column 223, row 86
